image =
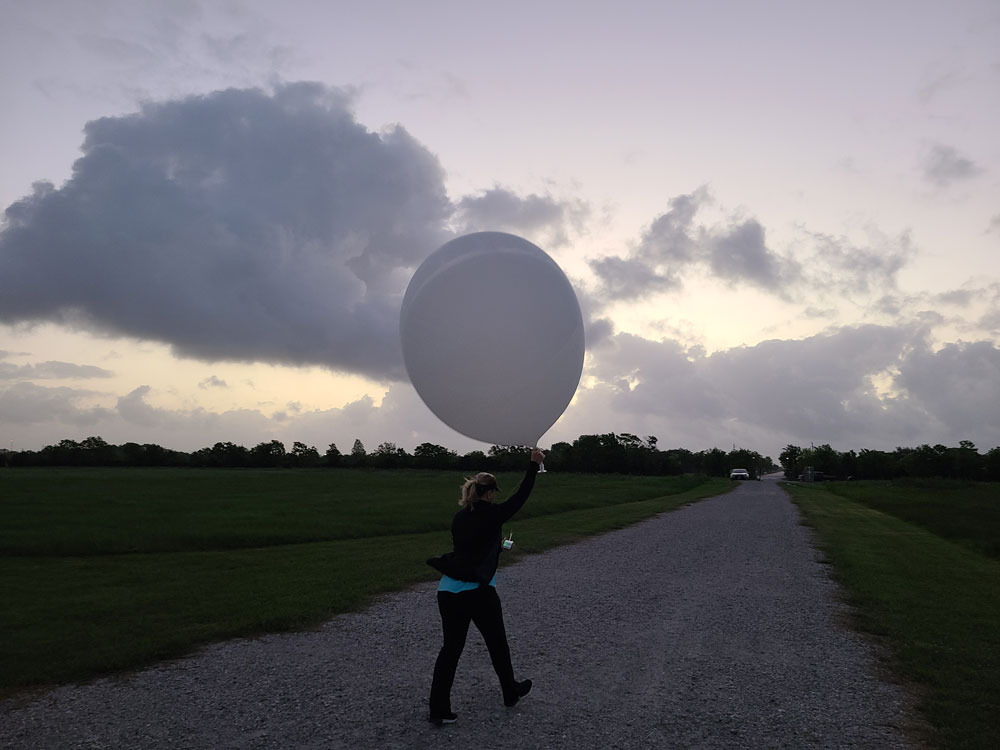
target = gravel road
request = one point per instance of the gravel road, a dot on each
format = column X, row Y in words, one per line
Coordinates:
column 715, row 626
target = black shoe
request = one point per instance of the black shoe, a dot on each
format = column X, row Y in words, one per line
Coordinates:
column 440, row 719
column 521, row 689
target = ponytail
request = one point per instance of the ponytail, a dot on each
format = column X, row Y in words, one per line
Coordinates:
column 475, row 488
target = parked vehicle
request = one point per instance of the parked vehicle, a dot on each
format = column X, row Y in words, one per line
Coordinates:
column 739, row 474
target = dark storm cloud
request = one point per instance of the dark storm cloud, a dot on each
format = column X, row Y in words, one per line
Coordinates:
column 499, row 209
column 239, row 225
column 944, row 165
column 51, row 370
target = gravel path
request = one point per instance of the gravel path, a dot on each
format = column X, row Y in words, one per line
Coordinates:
column 715, row 626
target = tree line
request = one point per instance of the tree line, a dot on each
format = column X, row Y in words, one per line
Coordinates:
column 619, row 453
column 964, row 462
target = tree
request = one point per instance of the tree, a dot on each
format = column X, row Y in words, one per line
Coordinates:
column 431, row 456
column 333, row 455
column 560, row 456
column 967, row 462
column 359, row 456
column 821, row 458
column 715, row 463
column 389, row 456
column 992, row 464
column 473, row 461
column 508, row 457
column 269, row 454
column 791, row 461
column 873, row 464
column 304, row 455
column 226, row 454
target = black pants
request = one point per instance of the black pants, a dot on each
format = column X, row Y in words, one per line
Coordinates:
column 482, row 607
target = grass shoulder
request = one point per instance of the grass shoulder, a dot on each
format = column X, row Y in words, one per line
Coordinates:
column 928, row 594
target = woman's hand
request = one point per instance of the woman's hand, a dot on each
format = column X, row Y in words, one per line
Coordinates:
column 537, row 455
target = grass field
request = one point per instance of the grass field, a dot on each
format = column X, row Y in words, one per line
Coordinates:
column 919, row 564
column 104, row 570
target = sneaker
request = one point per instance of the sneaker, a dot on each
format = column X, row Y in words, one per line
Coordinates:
column 521, row 689
column 440, row 719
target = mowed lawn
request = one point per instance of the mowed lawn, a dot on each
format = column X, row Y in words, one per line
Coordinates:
column 110, row 569
column 920, row 565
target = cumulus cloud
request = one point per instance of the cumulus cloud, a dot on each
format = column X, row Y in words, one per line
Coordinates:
column 500, row 209
column 28, row 404
column 679, row 244
column 944, row 165
column 631, row 278
column 740, row 254
column 959, row 385
column 213, row 382
column 654, row 264
column 239, row 225
column 853, row 387
column 52, row 370
column 247, row 225
column 855, row 269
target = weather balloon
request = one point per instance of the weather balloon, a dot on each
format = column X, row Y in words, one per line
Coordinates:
column 492, row 337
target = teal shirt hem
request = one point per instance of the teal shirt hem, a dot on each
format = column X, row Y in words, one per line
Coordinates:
column 455, row 586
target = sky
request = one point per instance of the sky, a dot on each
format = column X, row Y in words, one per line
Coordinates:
column 781, row 219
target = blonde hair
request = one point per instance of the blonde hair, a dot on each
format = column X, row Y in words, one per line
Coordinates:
column 475, row 488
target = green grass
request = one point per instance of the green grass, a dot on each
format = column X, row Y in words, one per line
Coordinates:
column 922, row 583
column 965, row 512
column 105, row 570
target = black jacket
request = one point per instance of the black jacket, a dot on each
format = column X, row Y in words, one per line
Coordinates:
column 476, row 534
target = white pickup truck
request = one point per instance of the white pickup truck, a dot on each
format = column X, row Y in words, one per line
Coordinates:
column 739, row 474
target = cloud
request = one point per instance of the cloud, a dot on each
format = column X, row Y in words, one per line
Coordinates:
column 240, row 225
column 499, row 209
column 655, row 263
column 853, row 387
column 675, row 245
column 631, row 278
column 28, row 404
column 246, row 225
column 213, row 382
column 680, row 246
column 959, row 385
column 51, row 370
column 853, row 269
column 740, row 255
column 944, row 165
column 668, row 238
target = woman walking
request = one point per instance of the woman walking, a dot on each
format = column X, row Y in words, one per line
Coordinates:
column 467, row 592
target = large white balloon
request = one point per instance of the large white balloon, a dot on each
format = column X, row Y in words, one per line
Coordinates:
column 492, row 337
